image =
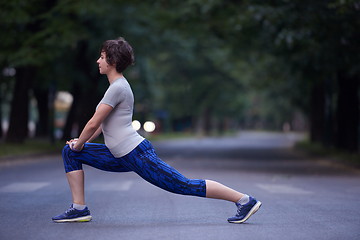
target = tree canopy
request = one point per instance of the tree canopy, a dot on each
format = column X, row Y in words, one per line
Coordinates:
column 205, row 64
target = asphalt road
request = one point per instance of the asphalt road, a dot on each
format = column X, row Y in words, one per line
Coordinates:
column 302, row 198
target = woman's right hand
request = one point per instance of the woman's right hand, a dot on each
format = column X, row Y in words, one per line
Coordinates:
column 71, row 144
column 74, row 140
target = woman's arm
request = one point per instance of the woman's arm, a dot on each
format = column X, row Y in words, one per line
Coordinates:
column 92, row 126
column 95, row 135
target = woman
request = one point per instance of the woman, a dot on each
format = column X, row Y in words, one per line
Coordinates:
column 125, row 150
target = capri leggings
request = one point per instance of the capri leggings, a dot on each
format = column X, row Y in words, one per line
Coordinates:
column 143, row 160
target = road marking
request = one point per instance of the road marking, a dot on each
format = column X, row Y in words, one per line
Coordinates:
column 111, row 186
column 282, row 188
column 23, row 187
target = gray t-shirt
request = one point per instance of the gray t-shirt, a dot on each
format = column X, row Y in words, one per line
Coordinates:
column 120, row 137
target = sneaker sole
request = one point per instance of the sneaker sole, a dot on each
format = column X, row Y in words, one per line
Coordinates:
column 79, row 219
column 253, row 210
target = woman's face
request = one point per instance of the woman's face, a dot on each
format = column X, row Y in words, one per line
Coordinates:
column 104, row 67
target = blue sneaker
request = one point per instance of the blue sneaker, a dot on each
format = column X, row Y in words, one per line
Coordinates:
column 73, row 215
column 245, row 211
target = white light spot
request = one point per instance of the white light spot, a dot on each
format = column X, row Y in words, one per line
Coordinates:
column 136, row 125
column 149, row 126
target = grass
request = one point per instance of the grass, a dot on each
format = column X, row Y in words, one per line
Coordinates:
column 317, row 150
column 33, row 146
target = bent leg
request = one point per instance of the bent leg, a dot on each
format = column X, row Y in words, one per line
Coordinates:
column 95, row 155
column 76, row 183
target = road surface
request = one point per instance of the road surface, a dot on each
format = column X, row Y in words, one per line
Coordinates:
column 302, row 198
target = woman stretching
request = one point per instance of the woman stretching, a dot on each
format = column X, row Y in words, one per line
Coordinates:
column 125, row 150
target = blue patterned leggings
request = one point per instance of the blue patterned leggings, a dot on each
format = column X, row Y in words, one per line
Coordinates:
column 142, row 160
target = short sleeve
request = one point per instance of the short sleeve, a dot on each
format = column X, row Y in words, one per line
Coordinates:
column 114, row 95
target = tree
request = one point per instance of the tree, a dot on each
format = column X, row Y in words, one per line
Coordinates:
column 34, row 44
column 248, row 60
column 319, row 40
column 315, row 43
column 33, row 40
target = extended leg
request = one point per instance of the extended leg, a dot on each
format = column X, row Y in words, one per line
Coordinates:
column 219, row 191
column 246, row 205
column 145, row 162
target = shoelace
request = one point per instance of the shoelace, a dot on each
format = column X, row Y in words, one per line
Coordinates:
column 70, row 210
column 239, row 210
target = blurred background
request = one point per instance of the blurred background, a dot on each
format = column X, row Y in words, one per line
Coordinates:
column 203, row 67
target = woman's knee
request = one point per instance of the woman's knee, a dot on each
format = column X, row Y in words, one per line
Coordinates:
column 66, row 150
column 70, row 162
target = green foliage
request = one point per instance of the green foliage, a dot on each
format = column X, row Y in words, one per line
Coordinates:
column 319, row 150
column 194, row 58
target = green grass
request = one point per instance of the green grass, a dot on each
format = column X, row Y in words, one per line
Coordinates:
column 318, row 150
column 33, row 146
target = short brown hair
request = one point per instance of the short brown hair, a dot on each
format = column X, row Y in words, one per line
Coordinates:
column 119, row 53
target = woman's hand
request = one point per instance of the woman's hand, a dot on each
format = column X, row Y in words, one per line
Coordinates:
column 73, row 146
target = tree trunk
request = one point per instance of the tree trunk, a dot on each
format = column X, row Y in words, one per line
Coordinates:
column 72, row 114
column 88, row 103
column 348, row 113
column 317, row 112
column 42, row 98
column 85, row 95
column 89, row 96
column 1, row 109
column 19, row 114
